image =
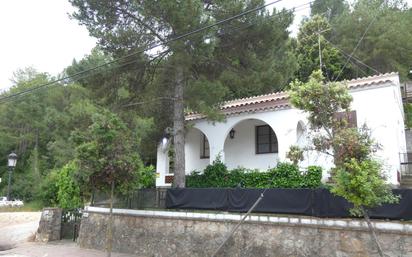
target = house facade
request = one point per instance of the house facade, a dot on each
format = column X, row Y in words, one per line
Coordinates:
column 258, row 131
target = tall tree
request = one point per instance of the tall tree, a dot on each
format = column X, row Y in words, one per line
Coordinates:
column 106, row 158
column 37, row 126
column 200, row 70
column 387, row 42
column 330, row 9
column 314, row 52
column 357, row 176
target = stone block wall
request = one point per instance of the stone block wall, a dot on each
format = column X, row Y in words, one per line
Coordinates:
column 50, row 225
column 179, row 234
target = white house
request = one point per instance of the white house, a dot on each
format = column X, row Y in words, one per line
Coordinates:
column 258, row 131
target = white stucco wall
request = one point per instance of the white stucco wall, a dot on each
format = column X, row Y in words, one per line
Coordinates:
column 380, row 107
column 241, row 150
column 382, row 111
column 283, row 122
column 192, row 151
column 162, row 164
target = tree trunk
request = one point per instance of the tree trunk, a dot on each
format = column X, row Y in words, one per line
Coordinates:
column 178, row 131
column 110, row 225
column 36, row 157
column 372, row 232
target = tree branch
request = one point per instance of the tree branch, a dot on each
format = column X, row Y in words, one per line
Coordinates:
column 140, row 22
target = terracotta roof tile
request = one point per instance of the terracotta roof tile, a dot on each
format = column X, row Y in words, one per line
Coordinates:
column 279, row 100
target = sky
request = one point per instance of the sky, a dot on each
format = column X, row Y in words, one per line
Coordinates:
column 41, row 35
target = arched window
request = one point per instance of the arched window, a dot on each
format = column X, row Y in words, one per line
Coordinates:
column 266, row 140
column 204, row 147
column 300, row 134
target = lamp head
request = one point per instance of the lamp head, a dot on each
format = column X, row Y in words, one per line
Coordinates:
column 12, row 160
column 232, row 133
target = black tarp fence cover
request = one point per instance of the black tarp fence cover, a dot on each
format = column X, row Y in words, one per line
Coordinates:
column 311, row 202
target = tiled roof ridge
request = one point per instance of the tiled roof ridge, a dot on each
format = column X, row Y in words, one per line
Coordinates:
column 351, row 81
column 253, row 97
column 372, row 77
column 277, row 97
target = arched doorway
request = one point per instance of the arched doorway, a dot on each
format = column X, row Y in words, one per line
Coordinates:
column 197, row 150
column 251, row 144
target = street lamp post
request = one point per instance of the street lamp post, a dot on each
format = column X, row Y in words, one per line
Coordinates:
column 12, row 160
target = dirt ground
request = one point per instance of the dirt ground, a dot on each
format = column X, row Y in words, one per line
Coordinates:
column 18, row 227
column 64, row 248
column 17, row 231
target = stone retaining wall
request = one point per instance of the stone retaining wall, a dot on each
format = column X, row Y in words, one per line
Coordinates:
column 49, row 225
column 163, row 233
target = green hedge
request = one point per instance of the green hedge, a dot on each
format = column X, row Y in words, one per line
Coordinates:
column 285, row 175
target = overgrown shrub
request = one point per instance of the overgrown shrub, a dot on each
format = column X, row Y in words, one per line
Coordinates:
column 285, row 175
column 68, row 194
column 313, row 177
column 408, row 115
column 147, row 177
column 48, row 190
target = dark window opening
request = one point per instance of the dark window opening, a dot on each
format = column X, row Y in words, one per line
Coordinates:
column 204, row 147
column 347, row 119
column 266, row 141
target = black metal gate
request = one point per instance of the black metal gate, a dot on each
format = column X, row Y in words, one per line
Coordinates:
column 70, row 224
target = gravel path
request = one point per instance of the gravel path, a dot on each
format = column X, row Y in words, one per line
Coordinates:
column 64, row 248
column 17, row 227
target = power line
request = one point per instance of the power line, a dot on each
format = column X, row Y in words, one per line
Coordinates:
column 86, row 73
column 354, row 57
column 358, row 44
column 144, row 50
column 156, row 99
column 16, row 96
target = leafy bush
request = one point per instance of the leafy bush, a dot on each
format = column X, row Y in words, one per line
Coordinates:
column 68, row 194
column 361, row 183
column 408, row 114
column 295, row 154
column 312, row 177
column 48, row 190
column 147, row 177
column 285, row 175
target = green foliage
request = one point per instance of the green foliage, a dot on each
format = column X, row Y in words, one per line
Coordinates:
column 311, row 34
column 49, row 190
column 68, row 191
column 313, row 176
column 331, row 9
column 353, row 143
column 361, row 183
column 147, row 177
column 285, row 175
column 320, row 100
column 230, row 64
column 384, row 49
column 295, row 154
column 106, row 154
column 357, row 176
column 22, row 187
column 408, row 114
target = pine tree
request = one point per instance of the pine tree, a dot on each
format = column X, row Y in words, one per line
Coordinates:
column 245, row 56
